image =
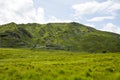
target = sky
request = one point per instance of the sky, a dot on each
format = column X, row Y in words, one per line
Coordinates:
column 100, row 14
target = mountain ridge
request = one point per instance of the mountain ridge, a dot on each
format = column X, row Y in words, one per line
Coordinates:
column 62, row 36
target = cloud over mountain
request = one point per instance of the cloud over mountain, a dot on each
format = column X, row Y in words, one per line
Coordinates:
column 107, row 7
column 19, row 11
column 95, row 12
column 111, row 28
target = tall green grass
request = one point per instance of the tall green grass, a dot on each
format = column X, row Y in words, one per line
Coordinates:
column 25, row 64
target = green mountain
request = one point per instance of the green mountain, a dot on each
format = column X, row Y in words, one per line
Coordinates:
column 62, row 36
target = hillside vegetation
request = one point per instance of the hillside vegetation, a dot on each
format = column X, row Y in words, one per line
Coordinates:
column 58, row 36
column 24, row 64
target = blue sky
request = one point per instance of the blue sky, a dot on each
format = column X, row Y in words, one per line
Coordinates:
column 100, row 14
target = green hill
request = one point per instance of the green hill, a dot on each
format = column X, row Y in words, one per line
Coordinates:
column 62, row 36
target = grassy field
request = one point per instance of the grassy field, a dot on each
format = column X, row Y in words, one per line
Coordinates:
column 25, row 64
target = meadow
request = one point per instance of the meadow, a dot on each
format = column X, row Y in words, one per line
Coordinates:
column 26, row 64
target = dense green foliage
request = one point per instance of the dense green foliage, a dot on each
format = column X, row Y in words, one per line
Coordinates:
column 62, row 36
column 25, row 64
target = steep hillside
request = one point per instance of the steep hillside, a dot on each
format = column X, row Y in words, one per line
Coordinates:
column 65, row 36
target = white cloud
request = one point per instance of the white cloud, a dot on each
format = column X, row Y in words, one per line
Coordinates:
column 111, row 28
column 40, row 15
column 107, row 7
column 91, row 25
column 53, row 19
column 96, row 19
column 19, row 11
column 23, row 11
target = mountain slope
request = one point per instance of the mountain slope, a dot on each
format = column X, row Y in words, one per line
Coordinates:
column 66, row 36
